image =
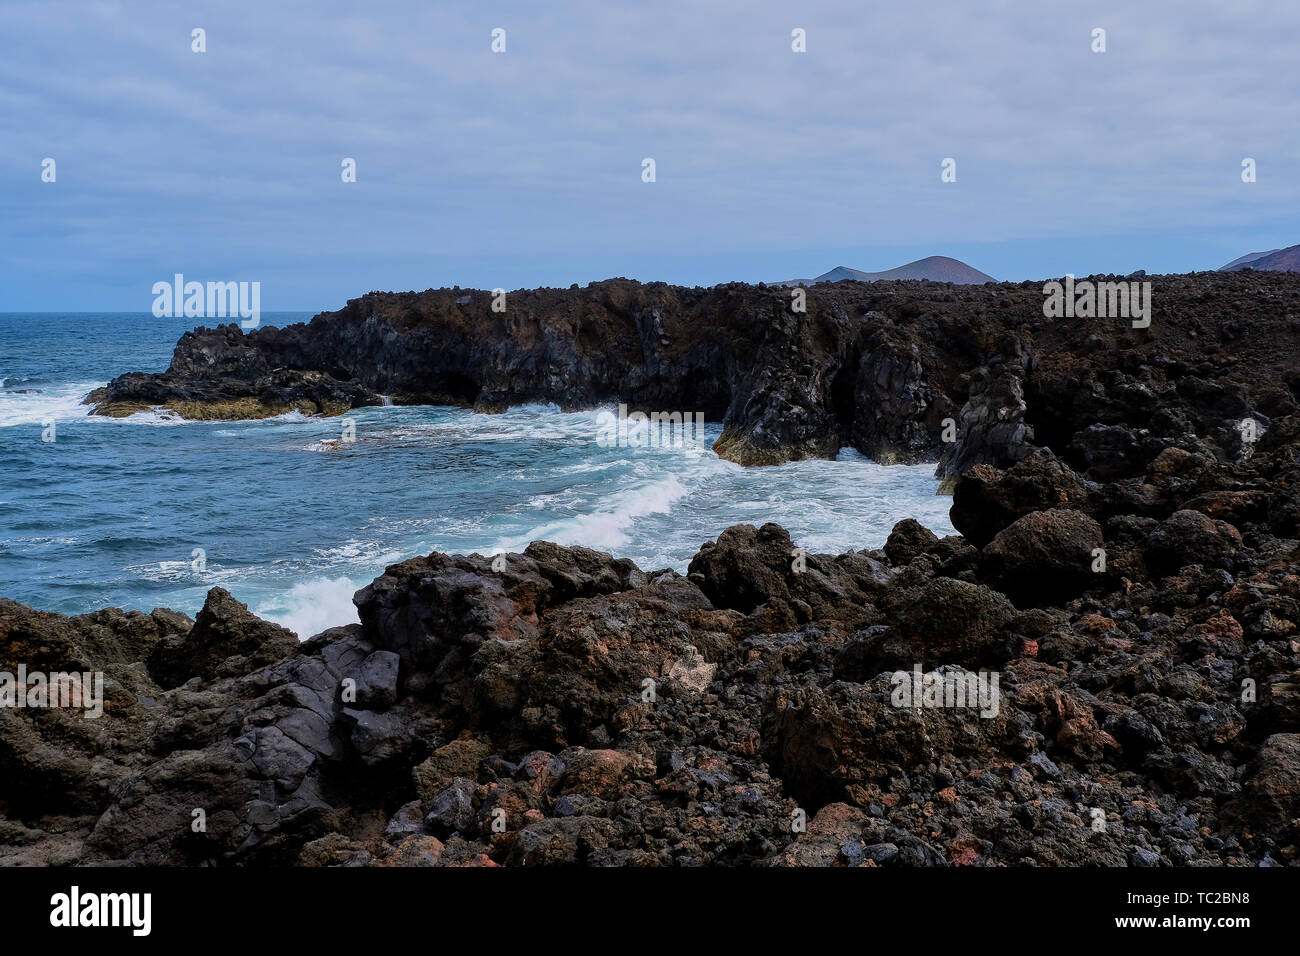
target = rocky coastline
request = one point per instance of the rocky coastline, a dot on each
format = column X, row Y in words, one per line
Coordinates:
column 1125, row 577
column 572, row 708
column 903, row 371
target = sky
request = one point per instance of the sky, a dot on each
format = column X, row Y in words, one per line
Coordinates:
column 524, row 168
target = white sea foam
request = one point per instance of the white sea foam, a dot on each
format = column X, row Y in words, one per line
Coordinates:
column 174, row 572
column 359, row 552
column 152, row 416
column 293, row 417
column 37, row 405
column 607, row 527
column 311, row 606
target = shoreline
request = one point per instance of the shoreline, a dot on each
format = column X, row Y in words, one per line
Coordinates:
column 560, row 705
column 902, row 371
column 1121, row 600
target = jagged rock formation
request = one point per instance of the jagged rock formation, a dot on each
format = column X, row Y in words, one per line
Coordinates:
column 574, row 708
column 903, row 371
column 222, row 373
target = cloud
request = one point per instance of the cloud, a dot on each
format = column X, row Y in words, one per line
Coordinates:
column 511, row 169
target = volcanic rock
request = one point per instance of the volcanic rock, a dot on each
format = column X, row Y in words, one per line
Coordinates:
column 903, row 371
column 1045, row 556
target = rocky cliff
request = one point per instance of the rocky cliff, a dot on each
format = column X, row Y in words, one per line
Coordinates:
column 902, row 371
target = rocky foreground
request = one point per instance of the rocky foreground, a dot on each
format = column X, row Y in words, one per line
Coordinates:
column 574, row 709
column 903, row 371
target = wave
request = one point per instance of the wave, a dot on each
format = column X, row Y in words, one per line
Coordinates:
column 152, row 416
column 37, row 406
column 183, row 572
column 161, row 415
column 312, row 606
column 608, row 528
column 24, row 381
column 360, row 552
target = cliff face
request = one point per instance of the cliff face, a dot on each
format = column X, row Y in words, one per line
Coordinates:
column 901, row 371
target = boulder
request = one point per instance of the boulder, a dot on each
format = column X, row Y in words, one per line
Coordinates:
column 1190, row 537
column 227, row 639
column 1045, row 557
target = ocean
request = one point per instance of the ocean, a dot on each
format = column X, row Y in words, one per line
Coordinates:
column 151, row 511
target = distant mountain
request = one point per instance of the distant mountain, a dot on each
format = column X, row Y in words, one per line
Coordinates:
column 933, row 268
column 1278, row 260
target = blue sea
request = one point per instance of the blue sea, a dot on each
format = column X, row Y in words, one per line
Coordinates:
column 152, row 511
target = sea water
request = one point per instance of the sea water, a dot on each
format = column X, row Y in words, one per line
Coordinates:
column 152, row 511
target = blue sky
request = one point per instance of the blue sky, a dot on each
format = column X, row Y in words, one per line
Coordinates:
column 524, row 168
